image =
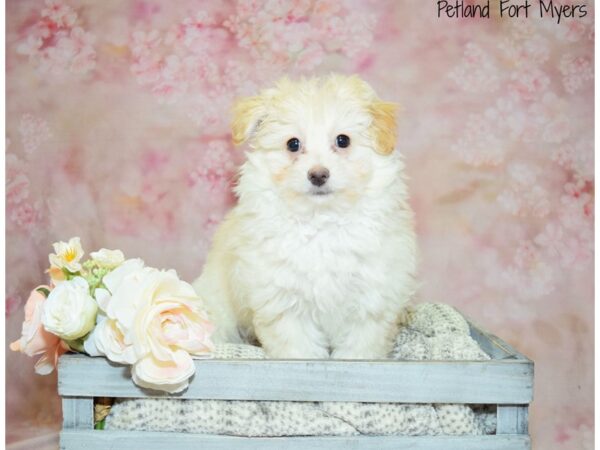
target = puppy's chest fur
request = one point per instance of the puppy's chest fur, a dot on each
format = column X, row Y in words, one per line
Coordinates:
column 327, row 269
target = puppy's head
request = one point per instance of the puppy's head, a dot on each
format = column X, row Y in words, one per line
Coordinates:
column 315, row 142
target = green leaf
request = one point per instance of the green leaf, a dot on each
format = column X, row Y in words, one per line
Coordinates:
column 70, row 275
column 45, row 292
column 76, row 345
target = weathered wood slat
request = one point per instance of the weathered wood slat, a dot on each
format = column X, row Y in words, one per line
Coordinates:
column 512, row 419
column 131, row 440
column 495, row 347
column 78, row 412
column 483, row 382
column 487, row 345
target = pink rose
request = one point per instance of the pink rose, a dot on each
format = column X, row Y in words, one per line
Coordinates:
column 35, row 340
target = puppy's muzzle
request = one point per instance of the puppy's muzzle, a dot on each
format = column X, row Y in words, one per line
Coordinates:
column 318, row 175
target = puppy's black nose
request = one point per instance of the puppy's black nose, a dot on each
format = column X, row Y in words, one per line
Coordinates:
column 318, row 175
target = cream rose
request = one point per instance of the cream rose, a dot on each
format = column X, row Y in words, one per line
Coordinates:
column 67, row 256
column 70, row 311
column 108, row 339
column 160, row 317
column 168, row 332
column 113, row 279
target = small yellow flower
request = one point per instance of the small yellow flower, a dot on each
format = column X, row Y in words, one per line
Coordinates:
column 67, row 256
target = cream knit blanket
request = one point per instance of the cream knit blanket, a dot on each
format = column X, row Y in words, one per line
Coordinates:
column 432, row 331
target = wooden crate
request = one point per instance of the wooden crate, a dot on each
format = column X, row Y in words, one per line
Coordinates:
column 506, row 381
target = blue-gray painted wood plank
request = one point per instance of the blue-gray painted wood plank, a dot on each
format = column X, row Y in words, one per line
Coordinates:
column 493, row 350
column 512, row 419
column 78, row 412
column 495, row 347
column 482, row 382
column 131, row 440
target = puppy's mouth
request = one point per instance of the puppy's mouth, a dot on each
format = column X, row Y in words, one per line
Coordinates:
column 320, row 191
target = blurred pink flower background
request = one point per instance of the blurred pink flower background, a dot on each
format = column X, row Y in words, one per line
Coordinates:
column 117, row 131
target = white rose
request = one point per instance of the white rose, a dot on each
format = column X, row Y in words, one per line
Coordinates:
column 108, row 339
column 113, row 279
column 128, row 293
column 158, row 314
column 108, row 258
column 70, row 311
column 67, row 256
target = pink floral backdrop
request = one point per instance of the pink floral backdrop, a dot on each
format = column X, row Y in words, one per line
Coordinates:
column 117, row 131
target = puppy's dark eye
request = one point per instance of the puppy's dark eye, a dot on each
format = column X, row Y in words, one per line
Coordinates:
column 293, row 145
column 342, row 141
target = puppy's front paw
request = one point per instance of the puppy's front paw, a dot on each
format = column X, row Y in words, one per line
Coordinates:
column 289, row 337
column 370, row 339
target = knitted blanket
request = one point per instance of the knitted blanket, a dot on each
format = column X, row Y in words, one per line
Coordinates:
column 432, row 331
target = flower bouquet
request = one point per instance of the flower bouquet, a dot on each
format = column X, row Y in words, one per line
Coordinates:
column 109, row 306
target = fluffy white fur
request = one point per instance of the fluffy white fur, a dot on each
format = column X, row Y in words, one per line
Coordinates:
column 309, row 275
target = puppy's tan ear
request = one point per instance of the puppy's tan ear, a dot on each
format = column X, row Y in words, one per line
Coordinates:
column 383, row 127
column 247, row 113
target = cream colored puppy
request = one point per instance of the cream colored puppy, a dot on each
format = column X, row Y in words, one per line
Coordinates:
column 318, row 258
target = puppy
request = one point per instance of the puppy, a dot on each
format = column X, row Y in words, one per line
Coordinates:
column 318, row 258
